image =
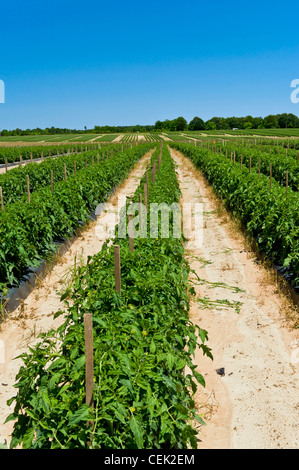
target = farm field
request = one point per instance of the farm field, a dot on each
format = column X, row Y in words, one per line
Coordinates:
column 283, row 133
column 197, row 346
column 49, row 138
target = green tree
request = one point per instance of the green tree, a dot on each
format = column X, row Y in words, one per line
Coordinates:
column 257, row 123
column 271, row 122
column 197, row 124
column 211, row 126
column 180, row 124
column 247, row 125
column 287, row 120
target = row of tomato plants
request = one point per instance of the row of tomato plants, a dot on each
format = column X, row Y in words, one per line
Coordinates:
column 29, row 232
column 270, row 216
column 144, row 342
column 13, row 154
column 14, row 182
column 263, row 159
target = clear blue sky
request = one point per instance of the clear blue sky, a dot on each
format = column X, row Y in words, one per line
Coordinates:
column 74, row 64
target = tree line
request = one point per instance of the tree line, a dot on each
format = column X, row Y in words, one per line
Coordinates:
column 277, row 121
column 273, row 121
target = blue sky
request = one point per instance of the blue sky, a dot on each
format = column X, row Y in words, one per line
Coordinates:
column 74, row 64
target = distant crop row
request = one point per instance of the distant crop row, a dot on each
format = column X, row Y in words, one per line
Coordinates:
column 14, row 154
column 129, row 138
column 28, row 231
column 50, row 171
column 269, row 212
column 107, row 138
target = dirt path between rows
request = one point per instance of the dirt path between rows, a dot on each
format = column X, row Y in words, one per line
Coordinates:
column 20, row 329
column 255, row 404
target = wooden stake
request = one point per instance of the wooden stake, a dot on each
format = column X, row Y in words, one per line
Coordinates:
column 130, row 233
column 259, row 169
column 270, row 175
column 153, row 174
column 140, row 212
column 117, row 271
column 5, row 160
column 28, row 190
column 1, row 197
column 20, row 160
column 147, row 188
column 145, row 195
column 75, row 169
column 64, row 172
column 31, row 157
column 89, row 382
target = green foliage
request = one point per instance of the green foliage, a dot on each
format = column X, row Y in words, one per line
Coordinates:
column 12, row 154
column 269, row 216
column 28, row 232
column 144, row 344
column 264, row 156
column 14, row 182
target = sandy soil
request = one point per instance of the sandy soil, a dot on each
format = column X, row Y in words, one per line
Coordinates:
column 164, row 137
column 190, row 138
column 20, row 329
column 95, row 138
column 118, row 139
column 255, row 404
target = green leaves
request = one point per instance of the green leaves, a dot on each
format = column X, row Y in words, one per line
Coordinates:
column 142, row 345
column 29, row 232
column 269, row 216
column 137, row 431
column 83, row 414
